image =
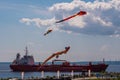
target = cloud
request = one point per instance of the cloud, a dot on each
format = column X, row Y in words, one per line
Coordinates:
column 67, row 6
column 38, row 22
column 103, row 17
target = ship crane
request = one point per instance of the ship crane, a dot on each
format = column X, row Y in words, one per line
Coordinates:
column 56, row 54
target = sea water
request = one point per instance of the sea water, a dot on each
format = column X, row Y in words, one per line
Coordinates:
column 6, row 72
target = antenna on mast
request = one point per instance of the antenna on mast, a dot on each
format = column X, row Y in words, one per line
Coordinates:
column 26, row 51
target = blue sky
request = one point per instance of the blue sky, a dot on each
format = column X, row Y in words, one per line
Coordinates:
column 92, row 37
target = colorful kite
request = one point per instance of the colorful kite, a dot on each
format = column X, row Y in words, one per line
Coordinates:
column 78, row 14
column 50, row 30
column 56, row 54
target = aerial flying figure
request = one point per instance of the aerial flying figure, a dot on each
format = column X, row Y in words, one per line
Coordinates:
column 56, row 54
column 77, row 14
column 81, row 13
column 48, row 31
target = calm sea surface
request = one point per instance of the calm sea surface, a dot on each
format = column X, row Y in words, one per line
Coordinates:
column 5, row 71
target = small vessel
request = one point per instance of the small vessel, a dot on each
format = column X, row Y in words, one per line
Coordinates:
column 27, row 64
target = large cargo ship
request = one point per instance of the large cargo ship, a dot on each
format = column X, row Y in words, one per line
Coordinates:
column 27, row 64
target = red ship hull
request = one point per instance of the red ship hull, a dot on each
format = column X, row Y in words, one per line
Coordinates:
column 62, row 68
column 27, row 64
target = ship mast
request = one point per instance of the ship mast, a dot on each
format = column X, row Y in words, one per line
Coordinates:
column 26, row 51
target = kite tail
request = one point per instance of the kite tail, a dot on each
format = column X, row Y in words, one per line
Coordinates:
column 59, row 21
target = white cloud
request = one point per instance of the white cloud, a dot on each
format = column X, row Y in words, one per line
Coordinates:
column 26, row 20
column 101, row 21
column 115, row 4
column 77, row 22
column 102, row 17
column 38, row 22
column 67, row 6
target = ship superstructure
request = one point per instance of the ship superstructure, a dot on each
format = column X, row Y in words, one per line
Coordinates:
column 25, row 60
